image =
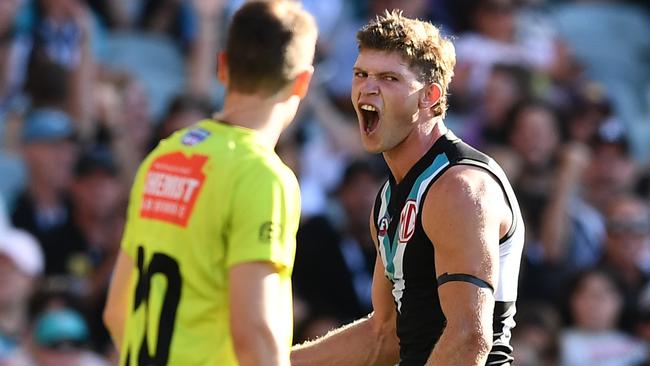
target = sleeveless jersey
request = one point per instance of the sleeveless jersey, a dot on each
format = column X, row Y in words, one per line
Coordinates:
column 207, row 198
column 408, row 255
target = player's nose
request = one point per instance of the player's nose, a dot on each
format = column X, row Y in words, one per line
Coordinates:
column 369, row 86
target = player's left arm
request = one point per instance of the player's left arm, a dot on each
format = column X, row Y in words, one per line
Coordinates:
column 115, row 311
column 463, row 215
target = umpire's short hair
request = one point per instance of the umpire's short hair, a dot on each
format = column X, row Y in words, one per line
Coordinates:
column 268, row 44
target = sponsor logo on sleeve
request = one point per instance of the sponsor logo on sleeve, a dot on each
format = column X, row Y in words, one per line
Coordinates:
column 194, row 136
column 269, row 232
column 171, row 187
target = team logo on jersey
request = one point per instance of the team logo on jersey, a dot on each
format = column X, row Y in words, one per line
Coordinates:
column 407, row 221
column 270, row 232
column 383, row 226
column 194, row 136
column 171, row 187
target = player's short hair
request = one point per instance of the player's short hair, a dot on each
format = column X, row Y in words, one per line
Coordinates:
column 268, row 44
column 430, row 55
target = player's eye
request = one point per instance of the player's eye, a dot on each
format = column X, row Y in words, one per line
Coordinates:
column 360, row 74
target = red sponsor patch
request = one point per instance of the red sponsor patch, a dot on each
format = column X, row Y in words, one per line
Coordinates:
column 407, row 221
column 171, row 186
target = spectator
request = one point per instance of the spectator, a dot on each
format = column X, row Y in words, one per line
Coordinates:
column 595, row 304
column 174, row 18
column 588, row 109
column 43, row 208
column 64, row 33
column 494, row 40
column 14, row 52
column 535, row 341
column 626, row 244
column 613, row 169
column 97, row 197
column 506, row 86
column 338, row 244
column 60, row 28
column 532, row 131
column 99, row 209
column 47, row 84
column 60, row 337
column 183, row 111
column 125, row 121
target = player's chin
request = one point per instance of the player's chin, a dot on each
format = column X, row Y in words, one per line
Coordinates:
column 371, row 144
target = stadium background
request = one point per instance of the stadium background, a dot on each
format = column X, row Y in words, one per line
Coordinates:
column 557, row 91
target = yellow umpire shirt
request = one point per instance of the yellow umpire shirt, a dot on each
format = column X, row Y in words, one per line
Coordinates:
column 207, row 198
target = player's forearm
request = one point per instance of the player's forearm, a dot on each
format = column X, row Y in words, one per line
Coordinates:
column 461, row 347
column 363, row 342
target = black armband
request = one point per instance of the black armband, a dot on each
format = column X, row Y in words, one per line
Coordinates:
column 462, row 277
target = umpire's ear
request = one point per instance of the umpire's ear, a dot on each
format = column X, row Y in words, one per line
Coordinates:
column 222, row 68
column 301, row 82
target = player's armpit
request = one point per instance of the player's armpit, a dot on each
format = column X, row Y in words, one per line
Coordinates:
column 260, row 314
column 462, row 215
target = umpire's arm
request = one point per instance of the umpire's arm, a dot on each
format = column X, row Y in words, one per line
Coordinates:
column 114, row 315
column 257, row 314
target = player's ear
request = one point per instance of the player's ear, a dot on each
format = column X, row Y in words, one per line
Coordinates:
column 301, row 82
column 430, row 96
column 222, row 68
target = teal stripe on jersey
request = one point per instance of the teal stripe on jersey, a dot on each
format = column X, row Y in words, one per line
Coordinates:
column 438, row 163
column 388, row 249
column 415, row 194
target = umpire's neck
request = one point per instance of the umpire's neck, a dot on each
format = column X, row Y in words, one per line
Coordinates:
column 269, row 115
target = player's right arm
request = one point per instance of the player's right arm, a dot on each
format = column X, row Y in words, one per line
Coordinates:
column 368, row 341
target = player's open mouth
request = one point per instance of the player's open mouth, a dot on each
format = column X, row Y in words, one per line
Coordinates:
column 369, row 118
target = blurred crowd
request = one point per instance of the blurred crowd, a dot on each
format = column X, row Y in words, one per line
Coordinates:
column 558, row 92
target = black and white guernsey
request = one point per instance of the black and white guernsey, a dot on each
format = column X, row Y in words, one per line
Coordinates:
column 408, row 254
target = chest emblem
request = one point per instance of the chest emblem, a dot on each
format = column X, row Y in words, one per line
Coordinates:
column 407, row 221
column 383, row 226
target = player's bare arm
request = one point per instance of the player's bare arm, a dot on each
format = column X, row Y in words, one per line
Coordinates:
column 115, row 310
column 464, row 215
column 368, row 341
column 256, row 315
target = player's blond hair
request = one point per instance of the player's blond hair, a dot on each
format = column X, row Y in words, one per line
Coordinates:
column 430, row 55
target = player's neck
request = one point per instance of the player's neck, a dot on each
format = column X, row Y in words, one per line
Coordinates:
column 403, row 157
column 267, row 115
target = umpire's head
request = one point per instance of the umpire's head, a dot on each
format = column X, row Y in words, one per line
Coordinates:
column 270, row 44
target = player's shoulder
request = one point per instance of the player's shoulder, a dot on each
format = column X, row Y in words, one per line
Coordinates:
column 463, row 187
column 465, row 199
